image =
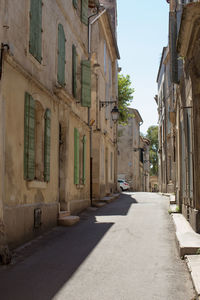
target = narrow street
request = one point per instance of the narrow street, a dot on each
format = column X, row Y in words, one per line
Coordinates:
column 123, row 251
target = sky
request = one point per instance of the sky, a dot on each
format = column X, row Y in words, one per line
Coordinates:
column 142, row 34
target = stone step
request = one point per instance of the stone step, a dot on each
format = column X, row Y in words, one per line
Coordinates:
column 63, row 213
column 68, row 220
column 98, row 203
column 193, row 263
column 188, row 240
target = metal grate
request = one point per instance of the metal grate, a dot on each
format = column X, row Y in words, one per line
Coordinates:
column 37, row 217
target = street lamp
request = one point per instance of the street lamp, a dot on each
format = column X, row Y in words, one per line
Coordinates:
column 115, row 114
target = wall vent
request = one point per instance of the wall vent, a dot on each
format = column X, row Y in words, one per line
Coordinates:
column 37, row 217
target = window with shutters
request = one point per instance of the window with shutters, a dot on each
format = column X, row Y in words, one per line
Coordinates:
column 74, row 70
column 84, row 11
column 75, row 3
column 105, row 57
column 61, row 56
column 79, row 158
column 37, row 125
column 107, row 98
column 39, row 141
column 35, row 41
column 111, row 166
column 86, row 83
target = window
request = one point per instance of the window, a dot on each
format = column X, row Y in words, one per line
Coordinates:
column 105, row 51
column 61, row 55
column 107, row 98
column 75, row 3
column 74, row 66
column 35, row 43
column 79, row 158
column 84, row 11
column 111, row 166
column 37, row 126
column 86, row 83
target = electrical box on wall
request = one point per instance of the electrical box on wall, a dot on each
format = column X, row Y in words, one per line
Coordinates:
column 37, row 217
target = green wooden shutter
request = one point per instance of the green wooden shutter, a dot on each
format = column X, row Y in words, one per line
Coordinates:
column 61, row 55
column 76, row 156
column 86, row 83
column 31, row 140
column 47, row 145
column 172, row 47
column 35, row 44
column 75, row 3
column 29, row 137
column 74, row 64
column 84, row 11
column 84, row 159
column 26, row 126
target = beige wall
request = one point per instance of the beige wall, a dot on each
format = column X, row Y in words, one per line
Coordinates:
column 128, row 147
column 22, row 73
column 104, row 150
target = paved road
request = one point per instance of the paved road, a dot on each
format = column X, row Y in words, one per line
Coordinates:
column 124, row 251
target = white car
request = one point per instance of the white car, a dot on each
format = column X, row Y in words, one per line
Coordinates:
column 124, row 186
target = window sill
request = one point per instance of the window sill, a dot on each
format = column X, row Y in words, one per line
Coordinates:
column 36, row 184
column 80, row 186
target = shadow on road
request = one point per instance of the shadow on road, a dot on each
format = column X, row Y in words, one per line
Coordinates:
column 119, row 207
column 42, row 273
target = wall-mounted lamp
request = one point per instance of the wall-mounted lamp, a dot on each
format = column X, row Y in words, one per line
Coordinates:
column 115, row 114
column 114, row 111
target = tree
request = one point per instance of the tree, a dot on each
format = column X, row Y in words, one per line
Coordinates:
column 125, row 96
column 152, row 135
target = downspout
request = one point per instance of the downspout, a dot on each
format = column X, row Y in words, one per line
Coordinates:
column 90, row 126
column 5, row 254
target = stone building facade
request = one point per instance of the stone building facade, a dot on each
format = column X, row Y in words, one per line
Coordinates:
column 166, row 130
column 133, row 154
column 48, row 97
column 184, row 75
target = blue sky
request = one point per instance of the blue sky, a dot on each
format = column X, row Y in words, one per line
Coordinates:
column 142, row 33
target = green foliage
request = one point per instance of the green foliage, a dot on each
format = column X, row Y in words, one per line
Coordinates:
column 198, row 251
column 124, row 97
column 152, row 135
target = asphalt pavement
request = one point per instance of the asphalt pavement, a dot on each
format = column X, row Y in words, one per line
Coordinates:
column 125, row 250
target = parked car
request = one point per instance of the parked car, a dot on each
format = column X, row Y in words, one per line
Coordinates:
column 124, row 186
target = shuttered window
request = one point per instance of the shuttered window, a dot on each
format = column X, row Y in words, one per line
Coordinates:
column 172, row 44
column 47, row 145
column 75, row 3
column 86, row 83
column 61, row 55
column 84, row 11
column 84, row 159
column 29, row 137
column 74, row 66
column 76, row 156
column 35, row 43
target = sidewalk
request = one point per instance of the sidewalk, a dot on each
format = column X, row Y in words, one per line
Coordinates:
column 188, row 242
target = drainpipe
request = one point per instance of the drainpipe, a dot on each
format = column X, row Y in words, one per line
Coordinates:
column 90, row 23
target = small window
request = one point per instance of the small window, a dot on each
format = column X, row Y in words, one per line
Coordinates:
column 105, row 56
column 61, row 55
column 79, row 158
column 37, row 125
column 86, row 83
column 75, row 3
column 35, row 42
column 84, row 11
column 74, row 68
